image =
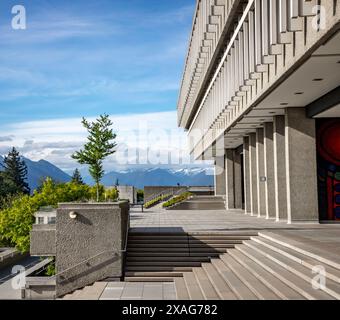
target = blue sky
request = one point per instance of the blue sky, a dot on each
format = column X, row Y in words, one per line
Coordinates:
column 86, row 57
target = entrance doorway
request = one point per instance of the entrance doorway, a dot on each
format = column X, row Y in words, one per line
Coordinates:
column 328, row 162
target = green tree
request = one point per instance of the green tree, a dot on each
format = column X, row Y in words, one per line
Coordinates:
column 7, row 187
column 16, row 172
column 17, row 216
column 100, row 144
column 77, row 178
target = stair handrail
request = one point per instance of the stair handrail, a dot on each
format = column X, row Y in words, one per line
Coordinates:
column 99, row 254
column 169, row 191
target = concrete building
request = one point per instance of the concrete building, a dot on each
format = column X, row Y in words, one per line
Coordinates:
column 260, row 95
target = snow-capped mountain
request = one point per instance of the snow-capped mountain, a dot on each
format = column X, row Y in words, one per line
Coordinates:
column 193, row 176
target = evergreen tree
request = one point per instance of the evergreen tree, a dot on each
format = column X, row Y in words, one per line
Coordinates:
column 76, row 177
column 100, row 145
column 16, row 172
column 117, row 182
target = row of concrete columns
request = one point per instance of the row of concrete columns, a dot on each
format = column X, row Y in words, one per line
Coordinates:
column 280, row 170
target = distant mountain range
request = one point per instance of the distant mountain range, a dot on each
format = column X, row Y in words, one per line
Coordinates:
column 158, row 177
column 39, row 170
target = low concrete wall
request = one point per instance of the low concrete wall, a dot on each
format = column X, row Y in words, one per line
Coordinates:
column 9, row 256
column 39, row 288
column 200, row 203
column 150, row 191
column 88, row 248
column 43, row 240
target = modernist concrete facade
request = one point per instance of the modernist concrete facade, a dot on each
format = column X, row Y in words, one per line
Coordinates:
column 260, row 96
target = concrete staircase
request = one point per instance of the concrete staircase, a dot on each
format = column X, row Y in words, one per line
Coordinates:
column 163, row 257
column 228, row 266
column 201, row 203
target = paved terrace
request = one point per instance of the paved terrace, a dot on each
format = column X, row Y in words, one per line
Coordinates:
column 321, row 239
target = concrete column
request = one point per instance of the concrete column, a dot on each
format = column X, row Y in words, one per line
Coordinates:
column 220, row 183
column 261, row 185
column 253, row 174
column 301, row 167
column 269, row 170
column 280, row 169
column 238, row 178
column 230, row 183
column 246, row 162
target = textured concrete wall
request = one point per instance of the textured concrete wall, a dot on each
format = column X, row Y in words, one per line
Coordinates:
column 261, row 185
column 280, row 169
column 302, row 196
column 230, row 183
column 87, row 248
column 127, row 193
column 246, row 161
column 253, row 174
column 43, row 240
column 220, row 178
column 238, row 177
column 269, row 169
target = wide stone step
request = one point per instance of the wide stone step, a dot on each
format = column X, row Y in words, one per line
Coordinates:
column 154, row 263
column 154, row 274
column 332, row 288
column 223, row 290
column 197, row 237
column 270, row 281
column 180, row 245
column 331, row 272
column 155, row 259
column 185, row 241
column 207, row 288
column 289, row 278
column 148, row 279
column 175, row 254
column 174, row 249
column 313, row 253
column 181, row 289
column 261, row 291
column 158, row 268
column 241, row 291
column 193, row 288
column 92, row 292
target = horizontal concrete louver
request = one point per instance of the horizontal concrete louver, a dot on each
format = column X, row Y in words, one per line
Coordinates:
column 268, row 27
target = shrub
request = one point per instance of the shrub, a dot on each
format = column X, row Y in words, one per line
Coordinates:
column 182, row 197
column 111, row 194
column 156, row 201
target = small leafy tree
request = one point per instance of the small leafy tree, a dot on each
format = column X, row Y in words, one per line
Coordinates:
column 99, row 146
column 77, row 178
column 16, row 172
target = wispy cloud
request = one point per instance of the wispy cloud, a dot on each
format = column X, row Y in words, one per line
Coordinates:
column 142, row 139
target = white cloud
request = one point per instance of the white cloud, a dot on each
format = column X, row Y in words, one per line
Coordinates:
column 143, row 139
